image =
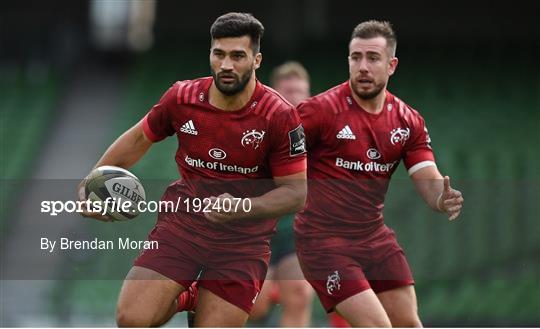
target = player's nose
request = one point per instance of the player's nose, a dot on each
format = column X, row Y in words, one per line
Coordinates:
column 363, row 67
column 226, row 64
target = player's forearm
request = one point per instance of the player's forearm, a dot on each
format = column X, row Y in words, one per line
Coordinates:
column 127, row 149
column 429, row 184
column 431, row 192
column 283, row 200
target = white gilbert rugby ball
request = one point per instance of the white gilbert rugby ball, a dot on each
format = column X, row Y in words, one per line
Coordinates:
column 122, row 188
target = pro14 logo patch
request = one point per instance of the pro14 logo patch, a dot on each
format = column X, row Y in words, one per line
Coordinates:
column 297, row 141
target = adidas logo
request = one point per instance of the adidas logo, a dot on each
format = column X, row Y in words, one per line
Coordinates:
column 346, row 133
column 189, row 128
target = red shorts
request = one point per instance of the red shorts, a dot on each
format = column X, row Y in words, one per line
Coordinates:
column 233, row 275
column 352, row 266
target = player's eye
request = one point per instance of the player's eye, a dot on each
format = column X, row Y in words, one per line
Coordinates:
column 238, row 56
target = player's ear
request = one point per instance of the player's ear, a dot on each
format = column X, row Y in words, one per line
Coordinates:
column 392, row 65
column 258, row 60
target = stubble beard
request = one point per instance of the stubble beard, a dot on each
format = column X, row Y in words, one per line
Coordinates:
column 369, row 95
column 234, row 88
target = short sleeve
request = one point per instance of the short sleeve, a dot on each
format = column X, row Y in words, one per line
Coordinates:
column 311, row 121
column 417, row 151
column 288, row 146
column 157, row 123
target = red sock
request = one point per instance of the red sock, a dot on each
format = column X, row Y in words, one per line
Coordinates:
column 337, row 321
column 187, row 300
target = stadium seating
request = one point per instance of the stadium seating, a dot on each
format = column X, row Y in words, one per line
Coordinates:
column 26, row 110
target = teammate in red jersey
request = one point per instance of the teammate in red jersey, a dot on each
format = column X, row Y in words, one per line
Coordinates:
column 356, row 134
column 233, row 132
column 285, row 285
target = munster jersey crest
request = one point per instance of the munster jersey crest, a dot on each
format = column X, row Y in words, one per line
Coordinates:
column 333, row 283
column 252, row 138
column 399, row 135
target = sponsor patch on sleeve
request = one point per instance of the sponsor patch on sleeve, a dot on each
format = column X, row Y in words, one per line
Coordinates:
column 297, row 141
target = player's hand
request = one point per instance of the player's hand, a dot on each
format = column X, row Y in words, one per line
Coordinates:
column 450, row 201
column 218, row 215
column 86, row 212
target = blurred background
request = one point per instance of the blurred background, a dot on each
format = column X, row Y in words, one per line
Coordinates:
column 76, row 74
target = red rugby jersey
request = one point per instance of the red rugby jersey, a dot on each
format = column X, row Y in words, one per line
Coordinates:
column 236, row 152
column 351, row 156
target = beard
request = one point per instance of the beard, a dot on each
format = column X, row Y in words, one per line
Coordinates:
column 367, row 95
column 234, row 88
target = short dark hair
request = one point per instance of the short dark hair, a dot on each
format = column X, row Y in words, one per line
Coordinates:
column 372, row 29
column 233, row 25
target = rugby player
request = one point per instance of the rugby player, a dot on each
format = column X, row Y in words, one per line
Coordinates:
column 285, row 284
column 230, row 128
column 356, row 134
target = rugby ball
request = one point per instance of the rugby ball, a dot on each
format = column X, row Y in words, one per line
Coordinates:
column 123, row 190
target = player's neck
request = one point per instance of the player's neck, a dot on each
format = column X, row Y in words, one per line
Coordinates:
column 374, row 105
column 235, row 102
